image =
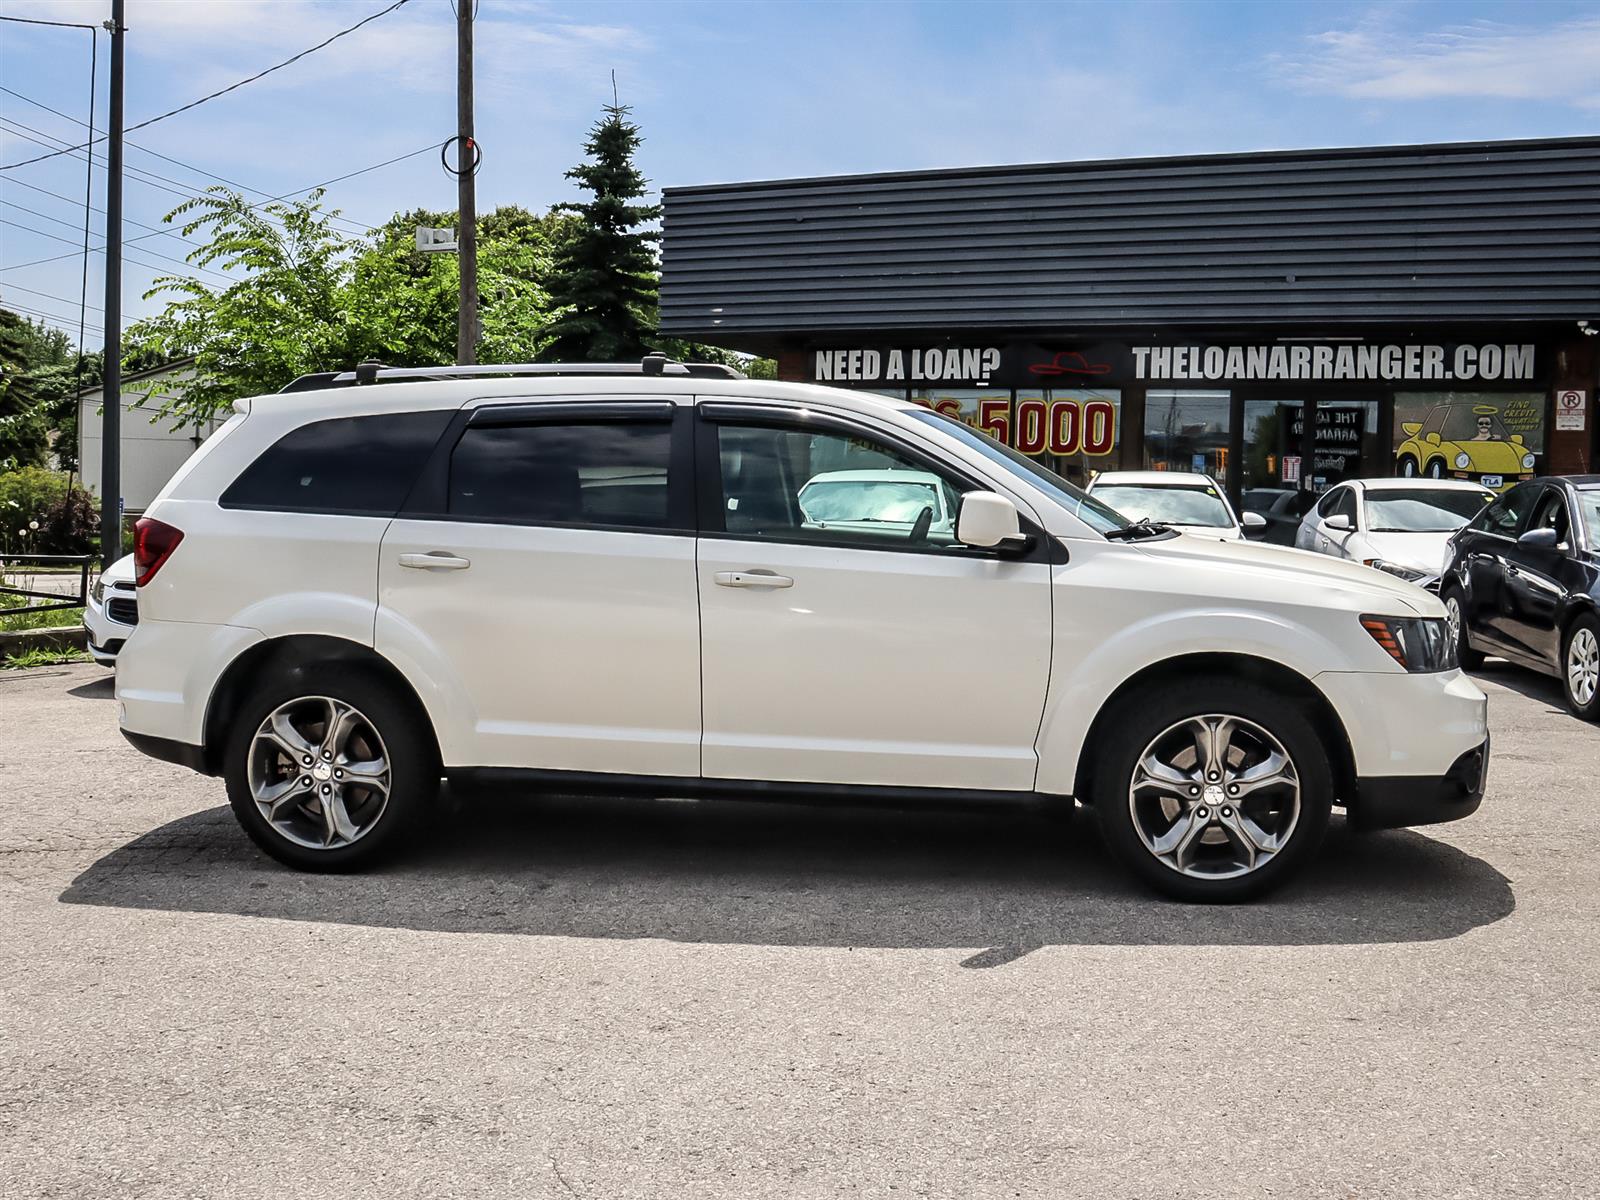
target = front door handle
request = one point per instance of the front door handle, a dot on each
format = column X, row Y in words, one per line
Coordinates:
column 435, row 560
column 753, row 579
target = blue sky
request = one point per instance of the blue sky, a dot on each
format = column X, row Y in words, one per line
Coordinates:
column 748, row 90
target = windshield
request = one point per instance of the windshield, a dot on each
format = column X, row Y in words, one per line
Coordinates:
column 1074, row 499
column 1422, row 510
column 867, row 500
column 1167, row 505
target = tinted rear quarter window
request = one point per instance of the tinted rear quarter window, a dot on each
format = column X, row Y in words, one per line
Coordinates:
column 360, row 466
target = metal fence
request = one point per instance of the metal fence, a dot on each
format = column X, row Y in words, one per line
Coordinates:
column 14, row 571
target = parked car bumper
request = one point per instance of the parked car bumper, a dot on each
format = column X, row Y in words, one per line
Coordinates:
column 106, row 636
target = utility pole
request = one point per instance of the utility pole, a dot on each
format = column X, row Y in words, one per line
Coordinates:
column 111, row 397
column 466, row 190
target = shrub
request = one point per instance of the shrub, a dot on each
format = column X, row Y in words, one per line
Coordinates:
column 66, row 516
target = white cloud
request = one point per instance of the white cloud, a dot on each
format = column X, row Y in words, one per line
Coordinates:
column 1375, row 60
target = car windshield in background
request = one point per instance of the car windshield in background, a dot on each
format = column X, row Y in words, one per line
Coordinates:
column 1589, row 510
column 866, row 500
column 1422, row 510
column 1085, row 507
column 1167, row 505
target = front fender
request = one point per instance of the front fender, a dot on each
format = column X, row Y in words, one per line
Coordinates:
column 1084, row 676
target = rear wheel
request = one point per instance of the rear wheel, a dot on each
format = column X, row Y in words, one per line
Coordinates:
column 1407, row 466
column 1213, row 791
column 1436, row 469
column 1455, row 616
column 1580, row 668
column 327, row 769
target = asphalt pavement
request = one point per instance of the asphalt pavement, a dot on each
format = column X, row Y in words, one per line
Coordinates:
column 610, row 999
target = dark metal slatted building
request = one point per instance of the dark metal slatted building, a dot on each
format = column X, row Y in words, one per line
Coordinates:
column 1150, row 282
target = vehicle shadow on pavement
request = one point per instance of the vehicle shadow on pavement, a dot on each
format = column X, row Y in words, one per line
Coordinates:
column 1544, row 688
column 778, row 874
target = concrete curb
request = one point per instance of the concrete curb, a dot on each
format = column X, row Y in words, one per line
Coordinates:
column 63, row 637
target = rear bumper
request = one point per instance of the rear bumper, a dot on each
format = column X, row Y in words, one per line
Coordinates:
column 1393, row 801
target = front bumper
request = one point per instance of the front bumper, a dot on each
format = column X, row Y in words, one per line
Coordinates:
column 106, row 636
column 1393, row 801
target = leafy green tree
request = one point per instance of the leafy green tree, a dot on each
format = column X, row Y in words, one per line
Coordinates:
column 604, row 278
column 310, row 298
column 24, row 424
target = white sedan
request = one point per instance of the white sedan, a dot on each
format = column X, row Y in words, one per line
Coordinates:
column 1191, row 502
column 112, row 611
column 1401, row 526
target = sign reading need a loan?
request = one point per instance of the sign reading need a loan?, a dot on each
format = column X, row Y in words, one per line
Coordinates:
column 1335, row 363
column 931, row 365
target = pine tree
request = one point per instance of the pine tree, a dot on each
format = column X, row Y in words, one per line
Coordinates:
column 604, row 275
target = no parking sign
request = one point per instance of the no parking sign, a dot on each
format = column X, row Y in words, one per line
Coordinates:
column 1571, row 403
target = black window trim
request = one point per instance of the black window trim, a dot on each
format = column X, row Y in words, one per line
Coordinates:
column 430, row 495
column 1038, row 547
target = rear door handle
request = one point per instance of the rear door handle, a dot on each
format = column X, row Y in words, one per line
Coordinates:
column 753, row 579
column 435, row 560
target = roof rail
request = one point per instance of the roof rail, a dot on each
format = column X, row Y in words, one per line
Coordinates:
column 376, row 372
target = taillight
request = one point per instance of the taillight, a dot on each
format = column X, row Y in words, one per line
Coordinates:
column 153, row 543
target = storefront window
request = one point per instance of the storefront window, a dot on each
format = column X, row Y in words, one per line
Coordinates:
column 1187, row 431
column 1073, row 431
column 988, row 409
column 1493, row 437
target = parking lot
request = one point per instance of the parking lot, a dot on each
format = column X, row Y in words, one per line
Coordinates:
column 613, row 999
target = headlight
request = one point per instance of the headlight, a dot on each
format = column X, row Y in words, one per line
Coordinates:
column 1463, row 461
column 1527, row 462
column 1410, row 574
column 1419, row 644
column 97, row 591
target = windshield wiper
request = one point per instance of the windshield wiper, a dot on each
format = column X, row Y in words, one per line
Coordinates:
column 1140, row 529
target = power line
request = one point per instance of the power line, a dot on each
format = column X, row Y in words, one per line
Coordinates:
column 17, row 287
column 177, row 162
column 57, row 24
column 101, row 249
column 62, row 323
column 95, row 209
column 223, row 91
column 271, row 199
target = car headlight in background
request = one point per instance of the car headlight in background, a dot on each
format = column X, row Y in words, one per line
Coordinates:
column 1527, row 462
column 1463, row 461
column 1419, row 644
column 97, row 590
column 1409, row 574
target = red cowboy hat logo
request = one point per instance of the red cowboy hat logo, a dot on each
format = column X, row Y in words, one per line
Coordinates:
column 1069, row 362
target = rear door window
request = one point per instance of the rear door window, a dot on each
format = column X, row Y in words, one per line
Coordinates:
column 606, row 474
column 356, row 466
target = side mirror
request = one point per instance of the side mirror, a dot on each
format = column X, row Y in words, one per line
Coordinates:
column 1433, row 439
column 1338, row 521
column 1517, row 438
column 1253, row 522
column 986, row 519
column 1539, row 539
column 1411, row 428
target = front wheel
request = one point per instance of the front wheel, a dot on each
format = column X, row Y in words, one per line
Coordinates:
column 1580, row 668
column 328, row 769
column 1214, row 791
column 1456, row 619
column 1436, row 469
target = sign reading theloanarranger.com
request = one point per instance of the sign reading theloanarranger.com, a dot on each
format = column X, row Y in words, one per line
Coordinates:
column 1320, row 362
column 1089, row 366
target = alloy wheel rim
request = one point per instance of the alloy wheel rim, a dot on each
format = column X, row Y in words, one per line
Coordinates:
column 1452, row 618
column 319, row 772
column 1583, row 666
column 1214, row 797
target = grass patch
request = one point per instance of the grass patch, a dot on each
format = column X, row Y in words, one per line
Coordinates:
column 23, row 659
column 51, row 618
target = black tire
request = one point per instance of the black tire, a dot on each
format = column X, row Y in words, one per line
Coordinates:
column 1436, row 469
column 1468, row 658
column 1140, row 718
column 1406, row 467
column 413, row 764
column 1585, row 624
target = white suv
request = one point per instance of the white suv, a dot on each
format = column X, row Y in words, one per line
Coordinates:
column 602, row 579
